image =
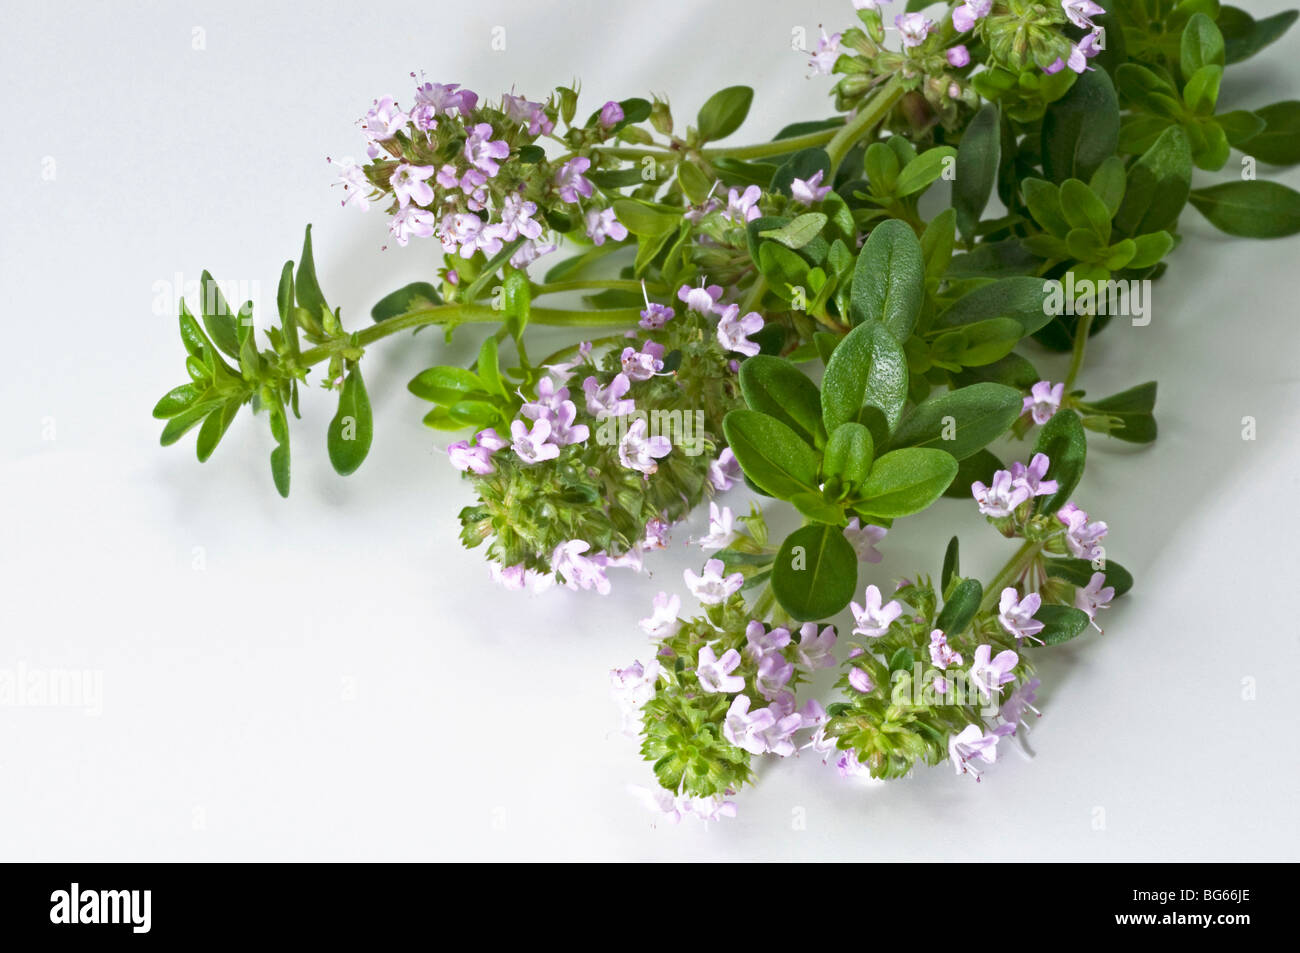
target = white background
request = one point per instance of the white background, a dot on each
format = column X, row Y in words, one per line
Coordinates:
column 343, row 681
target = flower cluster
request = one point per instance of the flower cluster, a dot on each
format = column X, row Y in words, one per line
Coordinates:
column 614, row 446
column 471, row 174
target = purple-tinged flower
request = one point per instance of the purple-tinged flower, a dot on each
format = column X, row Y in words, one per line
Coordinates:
column 518, row 577
column 828, row 51
column 438, row 99
column 941, row 653
column 873, row 619
column 488, row 437
column 712, row 808
column 564, row 370
column 412, row 222
column 695, row 213
column 611, row 114
column 990, row 674
column 663, row 622
column 958, row 56
column 722, row 528
column 470, row 459
column 742, row 207
column 529, row 252
column 774, row 674
column 701, row 300
column 570, row 182
column 549, row 399
column 1080, row 12
column 869, row 4
column 579, row 571
column 913, row 28
column 636, row 451
column 724, row 472
column 972, row 742
column 533, row 114
column 411, row 184
column 733, row 330
column 448, row 176
column 863, row 539
column 778, row 738
column 1091, row 45
column 1030, row 478
column 656, row 535
column 602, row 224
column 643, row 364
column 608, row 401
column 810, row 190
column 356, row 186
column 814, row 650
column 715, row 673
column 517, row 217
column 1095, row 595
column 655, row 316
column 711, row 587
column 1017, row 615
column 533, row 447
column 745, row 729
column 1022, row 698
column 1082, row 537
column 859, row 680
column 760, row 642
column 1002, row 498
column 965, row 16
column 563, row 429
column 382, row 121
column 632, row 687
column 849, row 765
column 482, row 151
column 459, row 231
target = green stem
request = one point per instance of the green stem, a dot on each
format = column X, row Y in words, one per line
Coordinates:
column 1009, row 573
column 557, row 356
column 613, row 284
column 1081, row 332
column 775, row 148
column 873, row 111
column 464, row 313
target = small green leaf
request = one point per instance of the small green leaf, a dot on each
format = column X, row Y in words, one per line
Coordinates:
column 1060, row 623
column 306, row 286
column 215, row 427
column 771, row 454
column 798, row 232
column 903, row 482
column 922, row 171
column 1201, row 45
column 815, row 574
column 176, row 401
column 1080, row 573
column 217, row 316
column 951, row 564
column 960, row 607
column 416, row 296
column 353, row 427
column 978, row 159
column 444, row 384
column 1063, row 440
column 937, row 243
column 1256, row 209
column 774, row 386
column 1081, row 129
column 889, row 279
column 489, row 368
column 1022, row 299
column 868, row 369
column 722, row 114
column 1158, row 186
column 962, row 421
column 849, row 452
column 1244, row 36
